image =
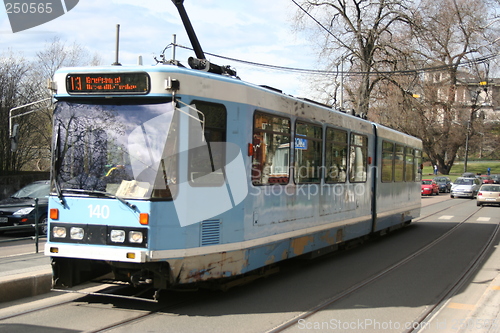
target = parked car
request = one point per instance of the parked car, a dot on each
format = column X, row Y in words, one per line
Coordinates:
column 496, row 178
column 468, row 175
column 429, row 187
column 19, row 209
column 444, row 183
column 465, row 187
column 487, row 179
column 488, row 194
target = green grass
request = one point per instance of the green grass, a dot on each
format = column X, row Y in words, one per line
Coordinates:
column 458, row 169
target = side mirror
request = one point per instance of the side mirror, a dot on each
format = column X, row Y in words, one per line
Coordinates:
column 14, row 139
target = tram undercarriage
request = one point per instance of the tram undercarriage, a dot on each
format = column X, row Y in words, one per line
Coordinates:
column 219, row 271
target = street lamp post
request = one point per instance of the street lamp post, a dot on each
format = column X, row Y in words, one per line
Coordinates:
column 474, row 97
column 467, row 145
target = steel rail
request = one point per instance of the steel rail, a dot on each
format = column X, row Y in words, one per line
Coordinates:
column 430, row 313
column 41, row 308
column 291, row 322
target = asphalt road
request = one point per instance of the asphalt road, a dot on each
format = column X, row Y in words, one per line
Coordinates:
column 14, row 243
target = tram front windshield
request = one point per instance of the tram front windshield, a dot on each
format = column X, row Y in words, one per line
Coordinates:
column 124, row 150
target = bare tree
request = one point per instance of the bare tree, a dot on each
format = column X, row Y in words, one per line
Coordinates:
column 446, row 36
column 360, row 34
column 404, row 62
column 13, row 74
column 29, row 84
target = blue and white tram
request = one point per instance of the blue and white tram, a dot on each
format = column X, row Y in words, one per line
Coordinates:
column 167, row 176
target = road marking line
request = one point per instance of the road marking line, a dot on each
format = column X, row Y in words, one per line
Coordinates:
column 461, row 306
column 483, row 219
column 495, row 287
column 446, row 217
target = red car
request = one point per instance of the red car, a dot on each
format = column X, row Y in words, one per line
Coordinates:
column 429, row 187
column 485, row 179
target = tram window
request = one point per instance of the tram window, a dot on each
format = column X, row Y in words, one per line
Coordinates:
column 271, row 150
column 358, row 158
column 336, row 156
column 308, row 150
column 399, row 164
column 418, row 162
column 409, row 160
column 206, row 165
column 387, row 161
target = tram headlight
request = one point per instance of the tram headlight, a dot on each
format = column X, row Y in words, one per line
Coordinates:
column 76, row 233
column 117, row 236
column 135, row 237
column 59, row 232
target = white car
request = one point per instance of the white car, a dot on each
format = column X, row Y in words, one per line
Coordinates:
column 465, row 187
column 488, row 194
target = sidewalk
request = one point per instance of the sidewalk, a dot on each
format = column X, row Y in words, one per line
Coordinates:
column 24, row 276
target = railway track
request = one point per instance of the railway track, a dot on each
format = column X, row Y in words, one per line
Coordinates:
column 92, row 296
column 371, row 279
column 427, row 316
column 431, row 311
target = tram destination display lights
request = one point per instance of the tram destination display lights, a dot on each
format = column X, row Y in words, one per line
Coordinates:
column 108, row 83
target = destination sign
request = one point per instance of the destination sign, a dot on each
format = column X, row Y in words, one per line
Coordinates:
column 108, row 83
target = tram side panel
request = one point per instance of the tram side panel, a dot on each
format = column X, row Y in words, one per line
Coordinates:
column 309, row 216
column 398, row 179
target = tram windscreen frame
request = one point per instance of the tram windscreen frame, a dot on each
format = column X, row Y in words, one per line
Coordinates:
column 125, row 150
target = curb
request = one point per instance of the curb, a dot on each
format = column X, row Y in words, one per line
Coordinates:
column 25, row 285
column 486, row 313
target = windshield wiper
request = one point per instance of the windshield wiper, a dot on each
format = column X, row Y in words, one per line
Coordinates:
column 57, row 165
column 100, row 194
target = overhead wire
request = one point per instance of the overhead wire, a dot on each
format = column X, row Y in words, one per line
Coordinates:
column 398, row 72
column 348, row 73
column 375, row 72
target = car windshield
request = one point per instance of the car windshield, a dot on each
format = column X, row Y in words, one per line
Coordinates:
column 426, row 182
column 464, row 181
column 33, row 190
column 120, row 149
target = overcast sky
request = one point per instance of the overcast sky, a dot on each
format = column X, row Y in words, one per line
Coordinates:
column 253, row 30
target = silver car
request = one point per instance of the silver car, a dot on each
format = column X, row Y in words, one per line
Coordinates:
column 465, row 187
